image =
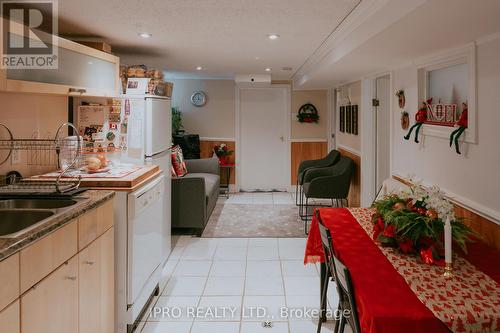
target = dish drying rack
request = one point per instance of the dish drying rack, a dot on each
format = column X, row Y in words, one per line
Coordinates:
column 42, row 152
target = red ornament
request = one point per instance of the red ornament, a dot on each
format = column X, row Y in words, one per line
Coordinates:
column 432, row 214
column 390, row 232
column 406, row 246
column 421, row 211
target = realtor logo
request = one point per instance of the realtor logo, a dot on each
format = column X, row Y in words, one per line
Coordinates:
column 29, row 30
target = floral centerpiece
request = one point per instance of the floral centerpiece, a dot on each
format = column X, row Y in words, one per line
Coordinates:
column 413, row 221
column 222, row 151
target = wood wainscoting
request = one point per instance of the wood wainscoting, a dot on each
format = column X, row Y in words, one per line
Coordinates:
column 301, row 151
column 206, row 151
column 355, row 190
column 489, row 230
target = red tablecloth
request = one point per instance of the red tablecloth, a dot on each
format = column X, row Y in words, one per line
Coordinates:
column 385, row 301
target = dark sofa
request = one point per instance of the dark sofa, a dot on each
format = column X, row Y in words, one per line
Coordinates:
column 194, row 196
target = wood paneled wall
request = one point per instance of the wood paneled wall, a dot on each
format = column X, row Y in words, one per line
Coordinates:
column 206, row 151
column 355, row 190
column 489, row 230
column 305, row 151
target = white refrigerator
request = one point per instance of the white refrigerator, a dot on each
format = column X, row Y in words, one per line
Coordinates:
column 148, row 122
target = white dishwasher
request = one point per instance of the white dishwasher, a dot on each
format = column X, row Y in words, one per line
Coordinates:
column 144, row 243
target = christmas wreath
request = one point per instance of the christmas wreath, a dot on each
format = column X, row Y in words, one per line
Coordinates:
column 308, row 114
column 413, row 222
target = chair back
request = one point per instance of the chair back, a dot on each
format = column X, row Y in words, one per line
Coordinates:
column 332, row 157
column 346, row 293
column 327, row 244
column 343, row 170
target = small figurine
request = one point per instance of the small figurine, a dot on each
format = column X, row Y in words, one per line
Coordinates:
column 420, row 118
column 462, row 125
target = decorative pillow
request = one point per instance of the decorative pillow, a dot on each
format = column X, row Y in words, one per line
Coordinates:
column 178, row 161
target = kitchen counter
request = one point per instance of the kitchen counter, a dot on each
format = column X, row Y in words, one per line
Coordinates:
column 9, row 246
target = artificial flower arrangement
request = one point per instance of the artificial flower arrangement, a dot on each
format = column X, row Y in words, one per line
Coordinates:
column 413, row 221
column 222, row 151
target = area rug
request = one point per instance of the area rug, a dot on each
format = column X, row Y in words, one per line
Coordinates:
column 252, row 220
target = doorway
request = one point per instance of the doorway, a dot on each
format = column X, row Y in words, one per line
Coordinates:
column 382, row 130
column 264, row 132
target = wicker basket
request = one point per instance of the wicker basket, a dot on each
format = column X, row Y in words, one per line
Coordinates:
column 159, row 88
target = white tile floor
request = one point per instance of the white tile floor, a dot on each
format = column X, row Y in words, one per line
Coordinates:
column 239, row 276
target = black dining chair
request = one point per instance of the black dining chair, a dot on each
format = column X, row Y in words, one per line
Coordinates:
column 340, row 273
column 332, row 183
column 330, row 159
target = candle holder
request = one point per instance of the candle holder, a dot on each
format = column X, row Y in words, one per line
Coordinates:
column 448, row 270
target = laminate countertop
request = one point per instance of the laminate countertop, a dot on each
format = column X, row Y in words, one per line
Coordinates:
column 93, row 198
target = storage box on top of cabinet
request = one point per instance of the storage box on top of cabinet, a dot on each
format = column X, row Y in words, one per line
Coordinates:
column 81, row 71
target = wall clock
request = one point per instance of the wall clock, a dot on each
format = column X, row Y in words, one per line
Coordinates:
column 198, row 98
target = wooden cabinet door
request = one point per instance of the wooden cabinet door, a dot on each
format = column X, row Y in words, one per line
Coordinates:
column 10, row 319
column 52, row 305
column 107, row 281
column 89, row 285
column 96, row 285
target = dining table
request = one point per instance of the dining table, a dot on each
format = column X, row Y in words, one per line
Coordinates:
column 396, row 292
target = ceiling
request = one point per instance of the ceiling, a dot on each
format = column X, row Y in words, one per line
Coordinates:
column 429, row 27
column 223, row 36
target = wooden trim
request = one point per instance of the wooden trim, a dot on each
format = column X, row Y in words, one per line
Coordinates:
column 305, row 150
column 210, row 138
column 355, row 190
column 309, row 140
column 349, row 149
column 488, row 229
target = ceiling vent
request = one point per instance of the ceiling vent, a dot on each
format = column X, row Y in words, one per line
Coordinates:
column 253, row 80
column 286, row 69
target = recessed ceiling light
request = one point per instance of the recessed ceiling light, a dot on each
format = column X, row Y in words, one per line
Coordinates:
column 273, row 36
column 199, row 68
column 145, row 34
column 268, row 69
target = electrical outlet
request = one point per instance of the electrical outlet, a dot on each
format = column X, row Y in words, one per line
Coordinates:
column 16, row 156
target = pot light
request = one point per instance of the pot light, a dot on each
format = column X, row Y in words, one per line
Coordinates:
column 268, row 69
column 273, row 36
column 145, row 35
column 199, row 68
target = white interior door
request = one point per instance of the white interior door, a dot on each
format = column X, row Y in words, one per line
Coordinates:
column 382, row 164
column 264, row 139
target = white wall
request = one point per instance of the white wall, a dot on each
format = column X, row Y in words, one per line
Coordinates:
column 474, row 175
column 216, row 118
column 318, row 98
column 352, row 92
column 27, row 116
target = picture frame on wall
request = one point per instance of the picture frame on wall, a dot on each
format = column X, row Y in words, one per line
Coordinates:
column 355, row 119
column 348, row 116
column 342, row 119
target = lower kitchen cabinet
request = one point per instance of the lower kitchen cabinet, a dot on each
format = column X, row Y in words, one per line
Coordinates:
column 52, row 305
column 9, row 318
column 67, row 282
column 108, row 281
column 96, row 288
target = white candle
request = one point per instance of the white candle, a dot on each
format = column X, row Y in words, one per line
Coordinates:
column 447, row 241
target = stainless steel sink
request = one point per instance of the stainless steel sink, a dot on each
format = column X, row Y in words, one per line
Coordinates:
column 20, row 215
column 13, row 221
column 36, row 203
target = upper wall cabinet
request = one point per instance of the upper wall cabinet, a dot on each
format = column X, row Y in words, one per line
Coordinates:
column 80, row 70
